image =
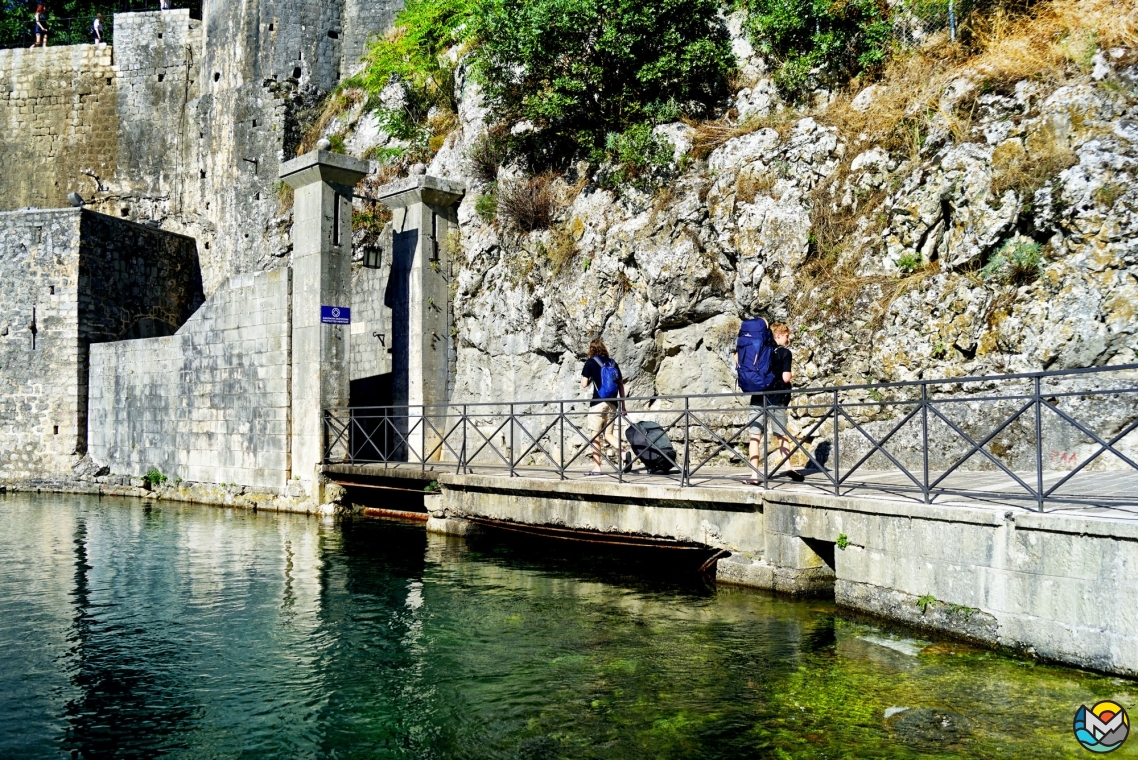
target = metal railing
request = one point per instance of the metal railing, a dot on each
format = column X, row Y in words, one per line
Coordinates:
column 19, row 31
column 1045, row 438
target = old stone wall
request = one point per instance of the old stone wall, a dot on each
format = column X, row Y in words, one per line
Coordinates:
column 371, row 332
column 363, row 19
column 181, row 121
column 58, row 112
column 40, row 428
column 69, row 278
column 210, row 403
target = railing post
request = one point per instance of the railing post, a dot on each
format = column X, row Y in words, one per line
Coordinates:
column 462, row 465
column 423, row 438
column 766, row 445
column 837, row 450
column 925, row 439
column 685, row 473
column 561, row 441
column 619, row 442
column 1038, row 442
column 512, row 474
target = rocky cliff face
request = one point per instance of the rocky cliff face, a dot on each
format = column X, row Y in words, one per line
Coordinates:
column 997, row 243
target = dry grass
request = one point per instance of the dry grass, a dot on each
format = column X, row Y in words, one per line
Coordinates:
column 749, row 185
column 1026, row 170
column 561, row 249
column 335, row 104
column 1048, row 42
column 710, row 135
column 527, row 204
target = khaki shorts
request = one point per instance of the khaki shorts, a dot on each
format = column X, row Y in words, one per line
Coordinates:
column 601, row 415
column 777, row 416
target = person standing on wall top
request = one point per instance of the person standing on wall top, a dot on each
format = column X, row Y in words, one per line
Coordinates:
column 97, row 29
column 40, row 27
column 603, row 373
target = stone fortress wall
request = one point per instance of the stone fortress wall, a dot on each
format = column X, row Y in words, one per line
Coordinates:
column 70, row 278
column 209, row 404
column 181, row 121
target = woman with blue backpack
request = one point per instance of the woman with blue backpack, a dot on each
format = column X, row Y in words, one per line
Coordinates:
column 603, row 373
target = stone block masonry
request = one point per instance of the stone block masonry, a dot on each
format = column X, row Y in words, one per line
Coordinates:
column 182, row 121
column 210, row 403
column 70, row 278
column 105, row 122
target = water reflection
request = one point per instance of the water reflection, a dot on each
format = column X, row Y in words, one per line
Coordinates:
column 135, row 631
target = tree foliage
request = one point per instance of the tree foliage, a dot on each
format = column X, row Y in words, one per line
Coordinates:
column 574, row 71
column 819, row 42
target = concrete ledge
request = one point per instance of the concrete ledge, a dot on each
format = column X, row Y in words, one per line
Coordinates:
column 210, row 494
column 993, row 516
column 451, row 526
column 599, row 490
column 963, row 622
column 1126, row 530
column 744, row 570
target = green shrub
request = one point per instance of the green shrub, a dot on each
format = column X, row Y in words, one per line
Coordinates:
column 487, row 205
column 909, row 263
column 154, row 477
column 1018, row 262
column 637, row 155
column 819, row 42
column 577, row 70
column 411, row 53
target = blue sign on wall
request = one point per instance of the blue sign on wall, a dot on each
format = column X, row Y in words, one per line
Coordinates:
column 335, row 315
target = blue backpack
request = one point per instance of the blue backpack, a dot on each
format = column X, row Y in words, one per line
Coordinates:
column 610, row 378
column 753, row 353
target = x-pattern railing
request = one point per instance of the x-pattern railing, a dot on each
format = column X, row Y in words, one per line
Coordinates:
column 978, row 437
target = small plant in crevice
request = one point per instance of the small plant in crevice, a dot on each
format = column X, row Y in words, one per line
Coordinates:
column 1107, row 194
column 432, row 487
column 154, row 477
column 926, row 601
column 939, row 350
column 488, row 153
column 843, row 541
column 487, row 205
column 909, row 263
column 1018, row 262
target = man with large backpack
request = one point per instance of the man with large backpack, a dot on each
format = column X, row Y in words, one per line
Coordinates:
column 759, row 373
column 603, row 373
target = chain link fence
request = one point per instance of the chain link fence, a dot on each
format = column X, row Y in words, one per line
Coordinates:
column 918, row 22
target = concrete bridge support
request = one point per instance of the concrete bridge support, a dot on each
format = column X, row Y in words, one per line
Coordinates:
column 322, row 183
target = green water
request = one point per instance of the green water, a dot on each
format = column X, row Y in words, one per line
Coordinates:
column 133, row 630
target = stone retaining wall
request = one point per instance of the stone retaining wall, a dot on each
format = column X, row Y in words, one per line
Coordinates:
column 210, row 403
column 69, row 278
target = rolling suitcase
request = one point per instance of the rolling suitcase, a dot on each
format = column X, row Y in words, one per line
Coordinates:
column 651, row 445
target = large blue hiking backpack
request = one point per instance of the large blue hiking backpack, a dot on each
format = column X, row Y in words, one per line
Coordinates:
column 610, row 379
column 753, row 353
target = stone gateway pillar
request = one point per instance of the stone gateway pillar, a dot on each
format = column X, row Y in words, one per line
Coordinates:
column 321, row 290
column 423, row 215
